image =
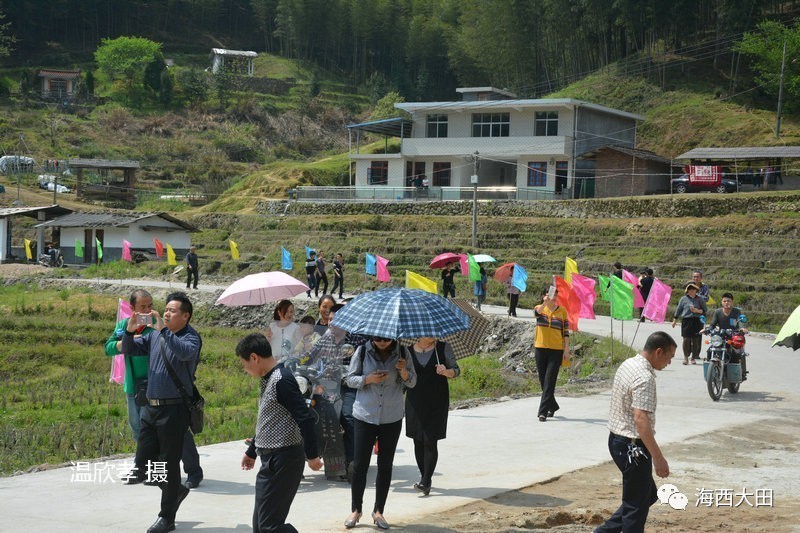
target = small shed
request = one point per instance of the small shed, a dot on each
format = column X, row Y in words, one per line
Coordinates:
column 624, row 171
column 7, row 214
column 110, row 229
column 237, row 61
column 103, row 183
column 751, row 161
column 59, row 84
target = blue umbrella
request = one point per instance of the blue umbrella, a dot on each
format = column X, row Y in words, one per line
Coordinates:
column 401, row 314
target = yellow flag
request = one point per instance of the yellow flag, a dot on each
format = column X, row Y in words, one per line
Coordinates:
column 28, row 252
column 711, row 300
column 570, row 268
column 171, row 256
column 415, row 281
column 234, row 250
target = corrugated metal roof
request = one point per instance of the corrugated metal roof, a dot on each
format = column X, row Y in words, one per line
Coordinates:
column 103, row 163
column 395, row 126
column 54, row 210
column 742, row 152
column 109, row 220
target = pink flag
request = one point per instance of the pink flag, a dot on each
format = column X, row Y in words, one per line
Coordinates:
column 126, row 251
column 584, row 288
column 464, row 262
column 383, row 272
column 159, row 247
column 118, row 362
column 657, row 301
column 638, row 301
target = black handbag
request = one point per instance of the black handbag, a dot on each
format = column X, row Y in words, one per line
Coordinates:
column 195, row 403
column 140, row 392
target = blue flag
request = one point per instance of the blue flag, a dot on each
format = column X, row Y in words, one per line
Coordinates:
column 520, row 278
column 308, row 252
column 286, row 259
column 372, row 265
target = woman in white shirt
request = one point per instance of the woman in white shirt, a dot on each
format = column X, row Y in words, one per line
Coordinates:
column 282, row 330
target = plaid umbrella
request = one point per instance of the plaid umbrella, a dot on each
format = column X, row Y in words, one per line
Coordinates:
column 464, row 343
column 401, row 314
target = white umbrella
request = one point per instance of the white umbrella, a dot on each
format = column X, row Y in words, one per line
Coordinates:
column 483, row 258
column 261, row 288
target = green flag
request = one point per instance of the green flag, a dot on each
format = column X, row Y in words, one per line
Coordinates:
column 604, row 284
column 621, row 299
column 474, row 268
column 99, row 249
column 78, row 248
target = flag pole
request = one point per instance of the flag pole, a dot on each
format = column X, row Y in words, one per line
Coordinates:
column 611, row 312
column 636, row 332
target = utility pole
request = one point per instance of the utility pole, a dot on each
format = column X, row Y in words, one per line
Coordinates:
column 780, row 94
column 474, row 180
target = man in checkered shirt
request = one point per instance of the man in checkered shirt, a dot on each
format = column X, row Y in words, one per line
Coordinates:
column 632, row 442
column 285, row 436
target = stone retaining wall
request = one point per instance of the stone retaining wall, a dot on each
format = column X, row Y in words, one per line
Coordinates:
column 706, row 205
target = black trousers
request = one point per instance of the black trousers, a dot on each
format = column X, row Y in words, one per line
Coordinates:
column 161, row 437
column 449, row 290
column 191, row 273
column 189, row 456
column 387, row 435
column 324, row 280
column 426, row 452
column 276, row 486
column 548, row 363
column 311, row 281
column 338, row 283
column 638, row 488
column 348, row 422
column 513, row 299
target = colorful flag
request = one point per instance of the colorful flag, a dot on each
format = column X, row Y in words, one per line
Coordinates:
column 372, row 265
column 584, row 288
column 234, row 250
column 308, row 252
column 286, row 259
column 604, row 285
column 99, row 248
column 570, row 268
column 78, row 248
column 415, row 281
column 621, row 299
column 126, row 251
column 28, row 252
column 474, row 268
column 568, row 299
column 124, row 310
column 171, row 259
column 638, row 300
column 655, row 308
column 159, row 248
column 711, row 300
column 464, row 264
column 383, row 271
column 520, row 278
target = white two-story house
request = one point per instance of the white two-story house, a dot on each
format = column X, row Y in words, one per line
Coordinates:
column 530, row 144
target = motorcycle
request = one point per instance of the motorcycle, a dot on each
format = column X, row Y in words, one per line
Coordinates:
column 54, row 259
column 726, row 360
column 321, row 386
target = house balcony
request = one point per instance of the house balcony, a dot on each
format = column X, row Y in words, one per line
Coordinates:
column 501, row 147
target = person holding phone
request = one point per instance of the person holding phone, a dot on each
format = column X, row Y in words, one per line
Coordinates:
column 380, row 372
column 551, row 346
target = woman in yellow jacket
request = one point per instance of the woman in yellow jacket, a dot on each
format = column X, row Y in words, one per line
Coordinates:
column 551, row 346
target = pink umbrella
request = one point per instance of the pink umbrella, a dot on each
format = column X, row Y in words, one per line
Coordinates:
column 442, row 260
column 258, row 289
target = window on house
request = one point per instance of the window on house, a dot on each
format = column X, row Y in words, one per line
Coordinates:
column 537, row 174
column 490, row 124
column 58, row 87
column 378, row 173
column 441, row 174
column 546, row 123
column 562, row 172
column 437, row 126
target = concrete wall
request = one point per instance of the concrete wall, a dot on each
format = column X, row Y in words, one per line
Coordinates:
column 179, row 239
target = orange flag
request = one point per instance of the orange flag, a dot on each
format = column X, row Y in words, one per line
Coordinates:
column 569, row 300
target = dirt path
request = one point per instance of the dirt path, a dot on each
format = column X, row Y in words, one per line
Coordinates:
column 580, row 500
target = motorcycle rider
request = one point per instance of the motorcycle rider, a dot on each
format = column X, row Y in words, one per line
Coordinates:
column 727, row 317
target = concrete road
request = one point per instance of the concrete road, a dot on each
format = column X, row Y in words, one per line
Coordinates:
column 489, row 450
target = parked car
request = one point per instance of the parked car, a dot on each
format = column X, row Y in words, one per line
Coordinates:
column 681, row 185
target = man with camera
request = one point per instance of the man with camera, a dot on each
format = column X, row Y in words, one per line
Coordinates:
column 165, row 418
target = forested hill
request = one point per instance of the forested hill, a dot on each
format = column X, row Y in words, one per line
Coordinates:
column 421, row 48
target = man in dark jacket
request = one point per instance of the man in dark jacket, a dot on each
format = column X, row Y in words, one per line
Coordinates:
column 191, row 267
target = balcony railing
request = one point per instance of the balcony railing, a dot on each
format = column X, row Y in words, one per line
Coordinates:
column 415, row 194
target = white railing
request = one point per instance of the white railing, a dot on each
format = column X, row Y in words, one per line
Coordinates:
column 413, row 194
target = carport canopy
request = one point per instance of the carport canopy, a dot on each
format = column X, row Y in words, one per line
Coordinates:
column 742, row 153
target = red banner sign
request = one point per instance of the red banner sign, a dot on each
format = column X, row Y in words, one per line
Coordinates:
column 704, row 175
